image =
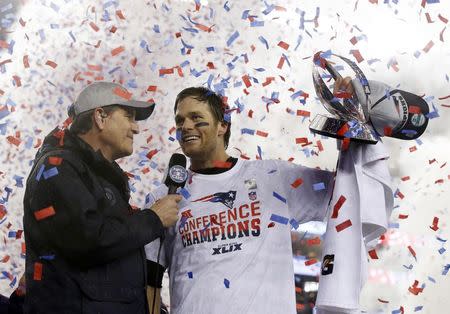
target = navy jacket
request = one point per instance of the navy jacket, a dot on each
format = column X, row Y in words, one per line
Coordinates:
column 84, row 243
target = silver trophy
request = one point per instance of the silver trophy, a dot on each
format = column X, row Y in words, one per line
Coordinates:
column 372, row 111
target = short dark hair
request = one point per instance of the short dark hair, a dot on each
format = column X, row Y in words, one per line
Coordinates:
column 83, row 122
column 214, row 101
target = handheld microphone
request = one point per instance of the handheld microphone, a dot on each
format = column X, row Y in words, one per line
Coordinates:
column 176, row 173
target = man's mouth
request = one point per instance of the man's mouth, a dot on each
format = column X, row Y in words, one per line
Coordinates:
column 190, row 138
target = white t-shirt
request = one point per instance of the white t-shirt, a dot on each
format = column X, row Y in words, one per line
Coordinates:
column 231, row 251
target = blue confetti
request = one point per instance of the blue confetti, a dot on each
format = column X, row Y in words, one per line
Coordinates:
column 408, row 267
column 431, row 279
column 280, row 219
column 446, row 268
column 258, row 148
column 272, row 171
column 441, row 250
column 226, row 7
column 226, row 282
column 394, row 225
column 418, row 308
column 50, row 173
column 156, row 28
column 256, row 23
column 39, row 174
column 440, row 239
column 190, row 275
column 12, row 234
column 294, row 223
column 319, row 186
column 281, row 198
column 210, row 49
column 185, row 193
column 47, row 257
column 232, row 38
column 247, row 131
column 18, row 180
column 264, row 41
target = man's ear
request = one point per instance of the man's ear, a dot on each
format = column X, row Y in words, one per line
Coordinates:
column 223, row 127
column 99, row 118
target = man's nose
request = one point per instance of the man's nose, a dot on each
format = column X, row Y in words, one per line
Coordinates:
column 188, row 124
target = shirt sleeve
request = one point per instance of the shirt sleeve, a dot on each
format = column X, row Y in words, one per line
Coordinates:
column 66, row 212
column 155, row 248
column 307, row 191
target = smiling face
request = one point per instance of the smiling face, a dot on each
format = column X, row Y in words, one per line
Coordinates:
column 201, row 136
column 116, row 136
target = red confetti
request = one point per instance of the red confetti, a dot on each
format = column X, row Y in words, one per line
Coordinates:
column 382, row 301
column 93, row 26
column 37, row 275
column 413, row 253
column 271, row 225
column 344, row 225
column 303, row 113
column 120, row 14
column 280, row 63
column 414, row 289
column 122, row 93
column 373, row 254
column 26, row 63
column 246, row 81
column 117, row 50
column 428, row 46
column 4, row 44
column 435, row 227
column 319, row 146
column 301, row 140
column 297, row 183
column 313, row 241
column 402, row 216
column 414, row 109
column 152, row 88
column 283, row 45
column 222, row 164
column 152, row 153
column 165, row 71
column 387, row 131
column 338, row 206
column 55, row 161
column 343, row 95
column 345, row 144
column 412, row 149
column 13, row 140
column 443, row 19
column 133, row 62
column 310, row 262
column 406, row 178
column 51, row 64
column 261, row 133
column 113, row 29
column 439, row 181
column 17, row 80
column 44, row 213
column 22, row 22
column 357, row 55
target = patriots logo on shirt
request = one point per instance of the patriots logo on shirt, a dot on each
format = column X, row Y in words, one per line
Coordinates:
column 226, row 198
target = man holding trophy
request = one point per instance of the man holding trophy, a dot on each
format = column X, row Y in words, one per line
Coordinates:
column 230, row 251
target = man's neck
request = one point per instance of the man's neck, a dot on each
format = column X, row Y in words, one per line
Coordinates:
column 197, row 163
column 92, row 141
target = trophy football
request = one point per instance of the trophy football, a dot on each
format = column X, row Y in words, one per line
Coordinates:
column 372, row 111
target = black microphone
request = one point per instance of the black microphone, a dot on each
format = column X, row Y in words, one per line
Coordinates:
column 176, row 173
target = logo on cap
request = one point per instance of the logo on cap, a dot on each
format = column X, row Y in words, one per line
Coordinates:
column 178, row 174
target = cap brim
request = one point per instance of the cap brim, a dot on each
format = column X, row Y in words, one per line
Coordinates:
column 143, row 109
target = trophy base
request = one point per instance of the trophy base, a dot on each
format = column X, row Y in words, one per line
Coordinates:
column 328, row 126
